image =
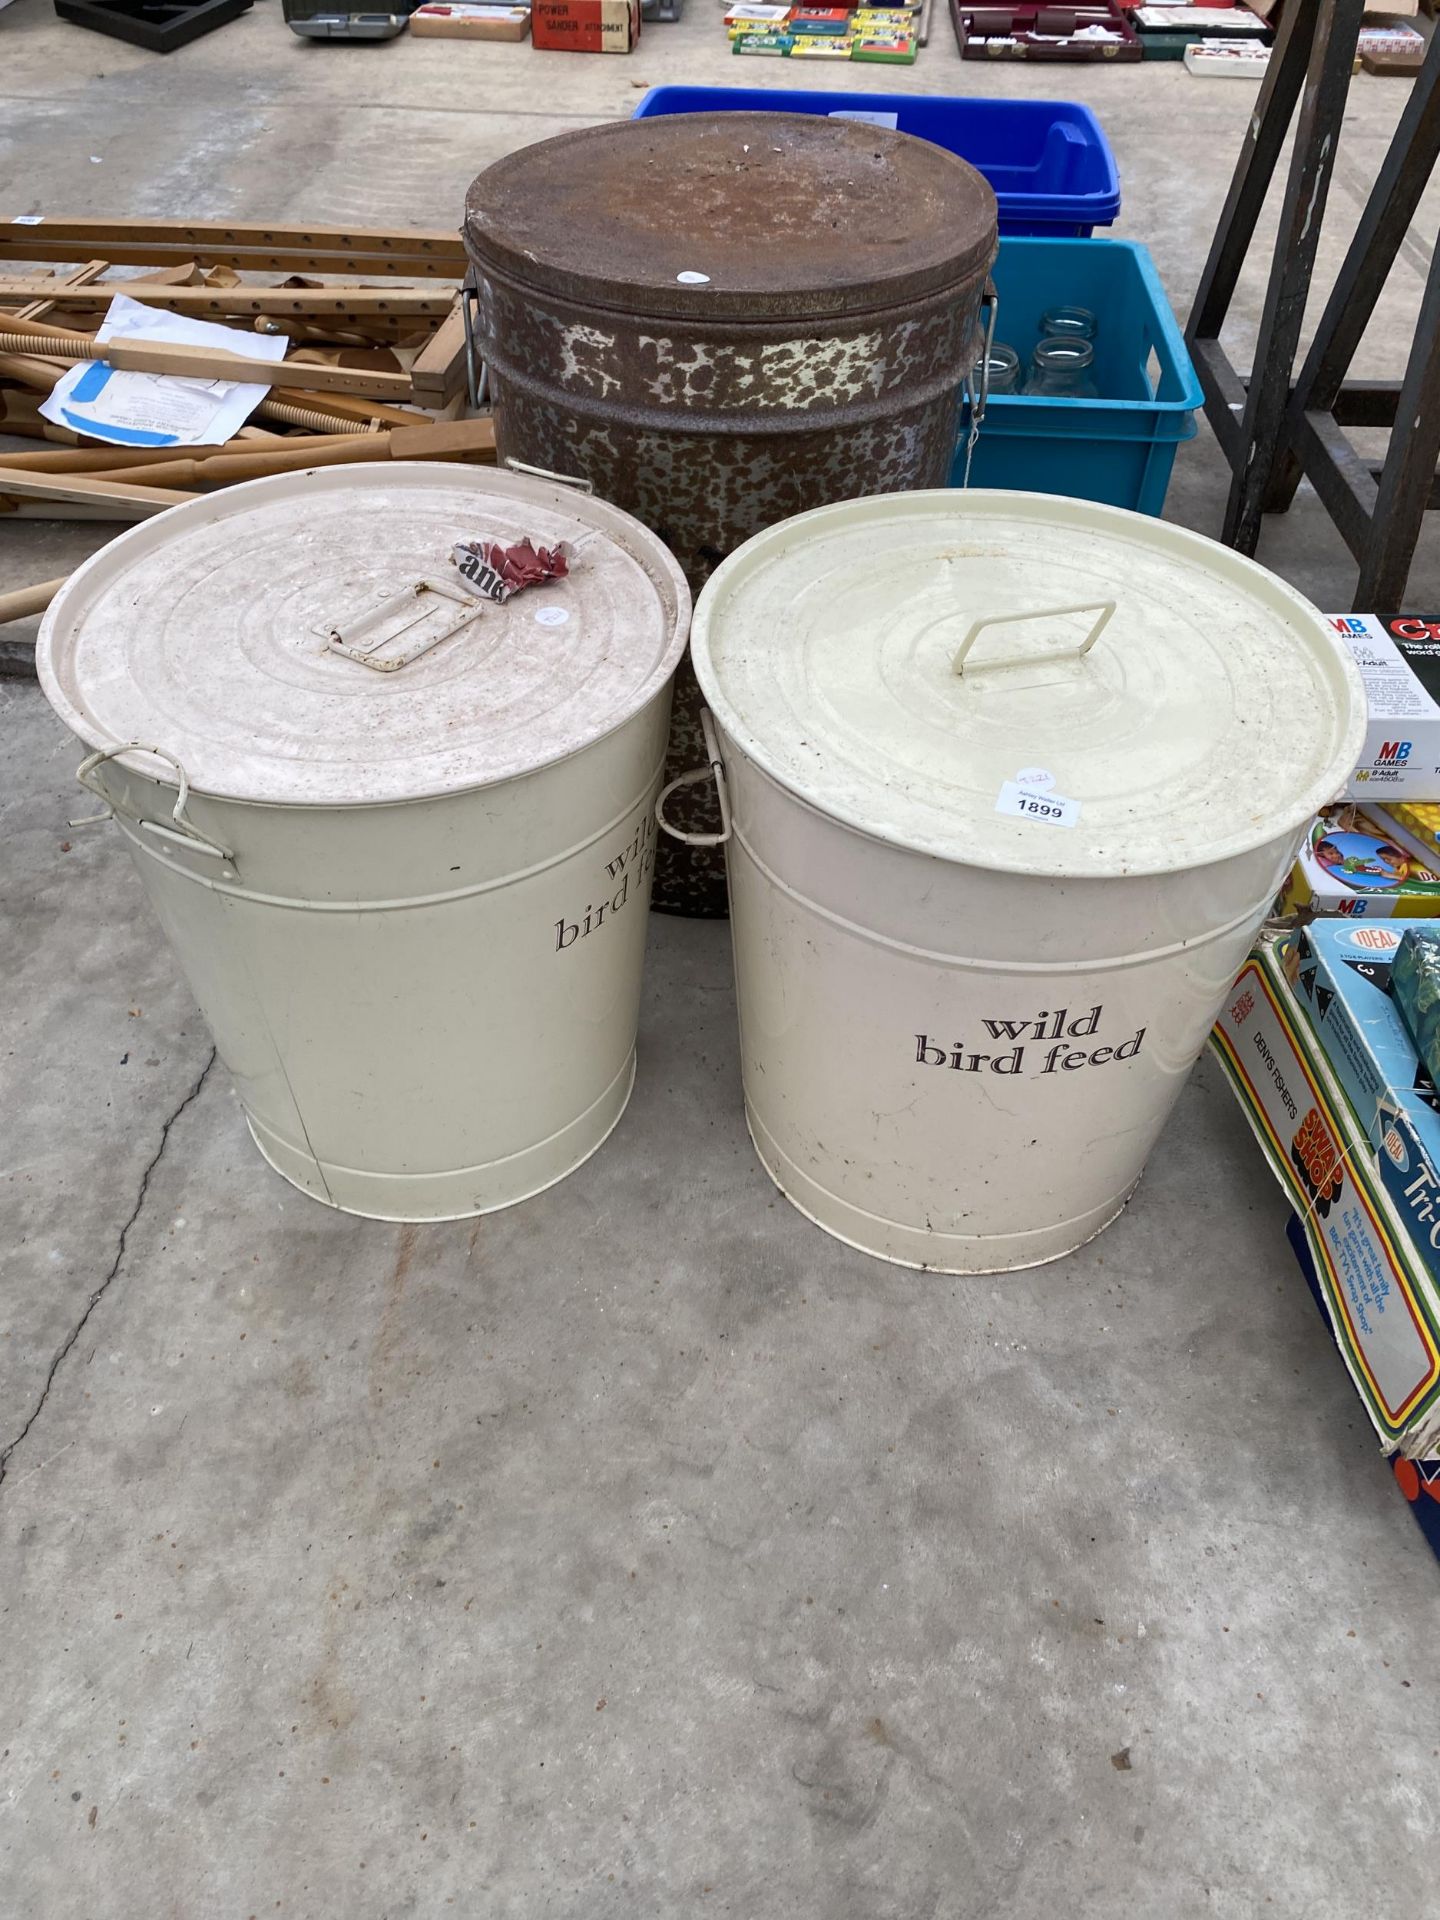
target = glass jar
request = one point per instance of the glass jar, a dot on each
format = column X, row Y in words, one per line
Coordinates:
column 1067, row 323
column 1003, row 367
column 1062, row 370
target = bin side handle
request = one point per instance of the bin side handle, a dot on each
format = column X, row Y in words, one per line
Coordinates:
column 713, row 768
column 183, row 829
column 580, row 484
column 1103, row 608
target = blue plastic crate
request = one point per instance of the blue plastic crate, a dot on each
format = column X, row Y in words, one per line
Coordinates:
column 1048, row 160
column 1119, row 449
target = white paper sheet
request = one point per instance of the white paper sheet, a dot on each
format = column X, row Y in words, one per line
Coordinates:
column 160, row 409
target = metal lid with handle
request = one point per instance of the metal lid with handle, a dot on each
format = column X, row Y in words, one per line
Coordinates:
column 1028, row 683
column 305, row 640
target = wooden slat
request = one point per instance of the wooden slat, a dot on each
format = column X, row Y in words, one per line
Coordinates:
column 118, row 463
column 207, row 363
column 308, row 302
column 278, row 249
column 438, row 371
column 62, row 486
column 13, row 509
column 352, row 265
column 37, row 309
column 449, row 440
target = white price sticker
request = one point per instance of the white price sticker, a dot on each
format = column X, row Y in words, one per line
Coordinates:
column 1032, row 803
column 551, row 616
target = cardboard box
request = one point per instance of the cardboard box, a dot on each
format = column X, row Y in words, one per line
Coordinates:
column 779, row 44
column 1380, row 39
column 471, row 22
column 1380, row 1298
column 1232, row 59
column 1354, row 864
column 585, row 26
column 820, row 46
column 756, row 19
column 1418, row 1480
column 1343, row 980
column 893, row 49
column 1416, row 827
column 1399, row 659
column 1198, row 22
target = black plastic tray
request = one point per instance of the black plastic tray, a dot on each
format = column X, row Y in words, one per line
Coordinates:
column 158, row 25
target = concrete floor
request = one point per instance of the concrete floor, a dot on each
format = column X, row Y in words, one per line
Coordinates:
column 642, row 1551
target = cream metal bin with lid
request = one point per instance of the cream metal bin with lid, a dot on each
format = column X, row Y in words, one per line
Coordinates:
column 1009, row 783
column 400, row 838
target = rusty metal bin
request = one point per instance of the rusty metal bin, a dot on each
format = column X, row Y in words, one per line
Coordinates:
column 721, row 320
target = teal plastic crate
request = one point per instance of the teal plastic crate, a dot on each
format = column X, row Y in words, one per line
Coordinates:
column 1118, row 449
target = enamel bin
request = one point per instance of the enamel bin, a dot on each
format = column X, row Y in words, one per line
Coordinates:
column 399, row 836
column 1009, row 783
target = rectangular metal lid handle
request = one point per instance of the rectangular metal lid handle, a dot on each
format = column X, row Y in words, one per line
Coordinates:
column 1103, row 608
column 371, row 653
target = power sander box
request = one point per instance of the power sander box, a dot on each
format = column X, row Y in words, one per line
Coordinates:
column 585, row 26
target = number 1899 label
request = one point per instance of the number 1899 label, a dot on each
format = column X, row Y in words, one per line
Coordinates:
column 1031, row 803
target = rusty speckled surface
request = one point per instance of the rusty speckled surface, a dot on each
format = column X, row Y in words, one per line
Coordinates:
column 786, row 215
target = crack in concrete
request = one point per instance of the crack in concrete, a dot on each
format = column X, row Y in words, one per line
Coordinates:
column 98, row 1295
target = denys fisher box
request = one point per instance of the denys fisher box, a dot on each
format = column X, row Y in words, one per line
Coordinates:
column 1342, row 973
column 1373, row 1267
column 1009, row 783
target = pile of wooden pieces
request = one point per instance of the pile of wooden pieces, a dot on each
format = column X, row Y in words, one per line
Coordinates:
column 375, row 368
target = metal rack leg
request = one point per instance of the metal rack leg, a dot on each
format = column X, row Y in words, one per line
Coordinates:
column 1409, row 470
column 1254, row 170
column 1391, row 207
column 1322, row 106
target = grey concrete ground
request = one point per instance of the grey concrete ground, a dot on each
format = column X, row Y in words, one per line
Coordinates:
column 642, row 1551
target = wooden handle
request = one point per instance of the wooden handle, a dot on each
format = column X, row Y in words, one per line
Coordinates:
column 29, row 371
column 26, row 600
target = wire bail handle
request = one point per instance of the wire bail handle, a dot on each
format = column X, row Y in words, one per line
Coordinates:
column 714, row 768
column 182, row 829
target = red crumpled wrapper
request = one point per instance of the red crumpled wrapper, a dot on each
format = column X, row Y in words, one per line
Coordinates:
column 495, row 572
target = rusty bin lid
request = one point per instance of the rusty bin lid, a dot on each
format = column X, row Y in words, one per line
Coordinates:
column 750, row 215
